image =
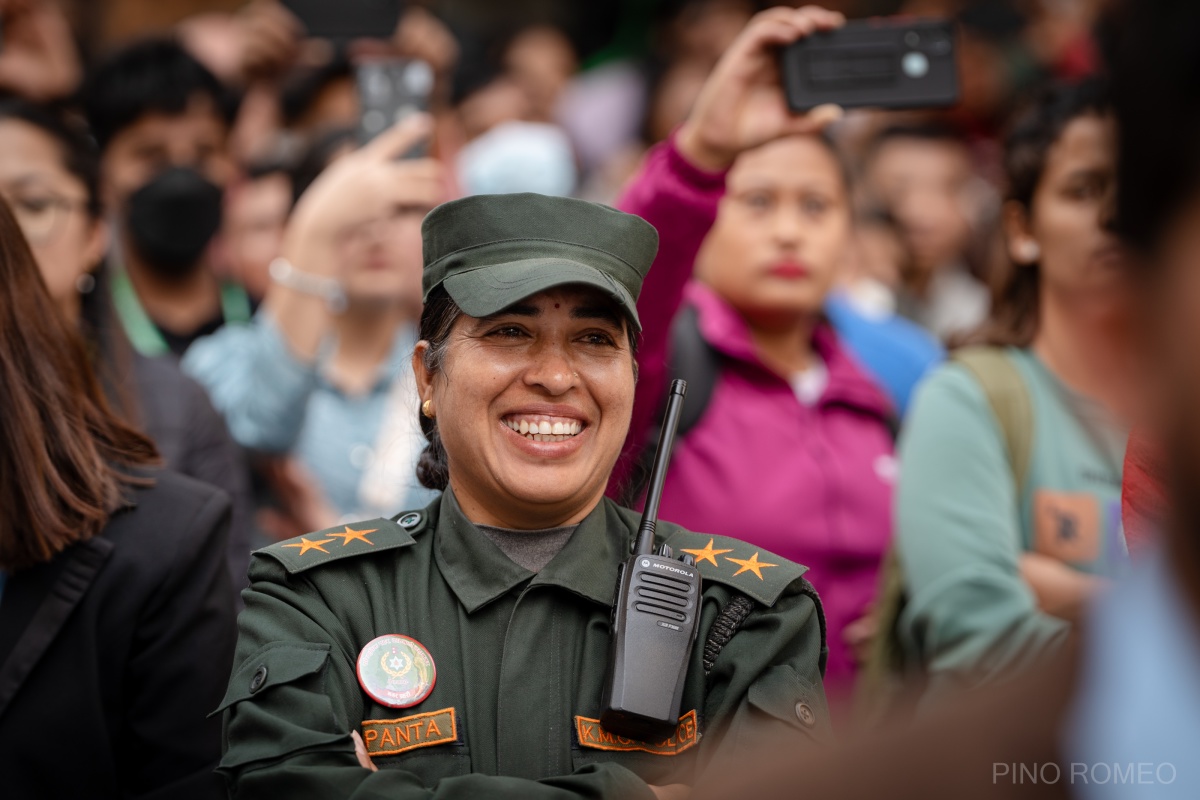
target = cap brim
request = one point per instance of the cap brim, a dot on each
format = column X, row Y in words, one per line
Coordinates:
column 490, row 289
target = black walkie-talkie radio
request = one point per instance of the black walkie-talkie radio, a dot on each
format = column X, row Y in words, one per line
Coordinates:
column 655, row 617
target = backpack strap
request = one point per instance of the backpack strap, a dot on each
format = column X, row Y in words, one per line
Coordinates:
column 881, row 683
column 694, row 360
column 1009, row 399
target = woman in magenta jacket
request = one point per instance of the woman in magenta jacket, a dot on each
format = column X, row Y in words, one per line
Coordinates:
column 794, row 450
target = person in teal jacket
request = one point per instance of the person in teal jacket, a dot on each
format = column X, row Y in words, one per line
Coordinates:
column 1008, row 504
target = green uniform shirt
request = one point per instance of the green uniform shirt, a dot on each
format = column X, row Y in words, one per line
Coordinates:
column 962, row 524
column 520, row 662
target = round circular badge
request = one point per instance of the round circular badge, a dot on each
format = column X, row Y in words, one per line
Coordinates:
column 396, row 670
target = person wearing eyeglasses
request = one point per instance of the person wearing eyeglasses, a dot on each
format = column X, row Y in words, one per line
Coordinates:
column 48, row 175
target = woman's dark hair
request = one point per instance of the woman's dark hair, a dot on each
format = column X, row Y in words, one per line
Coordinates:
column 1015, row 312
column 437, row 320
column 80, row 155
column 63, row 453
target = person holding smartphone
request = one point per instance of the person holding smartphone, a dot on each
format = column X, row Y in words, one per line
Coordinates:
column 793, row 448
column 318, row 371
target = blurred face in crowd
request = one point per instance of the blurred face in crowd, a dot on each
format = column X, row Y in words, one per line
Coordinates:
column 541, row 62
column 534, row 404
column 925, row 184
column 255, row 216
column 703, row 31
column 501, row 100
column 1079, row 257
column 50, row 204
column 781, row 230
column 380, row 260
column 195, row 138
column 674, row 96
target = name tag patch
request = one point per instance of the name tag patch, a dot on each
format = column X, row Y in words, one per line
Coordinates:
column 387, row 737
column 592, row 735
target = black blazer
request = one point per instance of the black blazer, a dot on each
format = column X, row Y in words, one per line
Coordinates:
column 193, row 440
column 112, row 655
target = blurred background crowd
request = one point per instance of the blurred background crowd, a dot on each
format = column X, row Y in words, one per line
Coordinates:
column 155, row 154
column 558, row 98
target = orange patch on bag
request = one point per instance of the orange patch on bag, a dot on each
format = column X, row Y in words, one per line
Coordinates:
column 592, row 735
column 387, row 737
column 1066, row 525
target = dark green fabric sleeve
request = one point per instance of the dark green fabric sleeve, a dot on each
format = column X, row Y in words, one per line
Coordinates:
column 765, row 687
column 289, row 736
column 970, row 617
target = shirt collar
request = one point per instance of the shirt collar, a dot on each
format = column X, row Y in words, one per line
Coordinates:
column 478, row 572
column 587, row 565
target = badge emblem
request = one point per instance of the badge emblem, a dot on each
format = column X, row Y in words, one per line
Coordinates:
column 396, row 671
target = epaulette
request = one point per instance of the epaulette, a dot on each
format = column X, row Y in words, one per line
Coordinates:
column 751, row 570
column 343, row 541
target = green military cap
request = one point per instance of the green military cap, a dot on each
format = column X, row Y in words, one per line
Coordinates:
column 491, row 251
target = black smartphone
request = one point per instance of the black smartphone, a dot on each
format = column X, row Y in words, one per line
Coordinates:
column 388, row 91
column 343, row 20
column 881, row 63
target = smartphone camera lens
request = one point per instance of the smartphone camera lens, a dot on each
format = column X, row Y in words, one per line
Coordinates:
column 914, row 64
column 912, row 38
column 418, row 78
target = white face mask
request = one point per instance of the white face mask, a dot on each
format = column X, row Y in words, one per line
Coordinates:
column 519, row 157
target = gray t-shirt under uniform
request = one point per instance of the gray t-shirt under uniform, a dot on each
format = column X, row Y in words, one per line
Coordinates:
column 532, row 550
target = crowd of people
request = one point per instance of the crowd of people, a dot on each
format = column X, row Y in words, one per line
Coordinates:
column 916, row 345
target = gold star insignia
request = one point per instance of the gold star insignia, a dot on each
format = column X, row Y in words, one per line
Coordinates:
column 751, row 564
column 707, row 553
column 351, row 535
column 305, row 544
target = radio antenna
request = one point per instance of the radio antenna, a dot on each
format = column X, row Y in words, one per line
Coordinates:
column 658, row 475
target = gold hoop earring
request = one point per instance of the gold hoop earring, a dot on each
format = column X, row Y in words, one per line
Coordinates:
column 427, row 408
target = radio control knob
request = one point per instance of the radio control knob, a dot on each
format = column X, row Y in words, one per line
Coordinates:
column 688, row 560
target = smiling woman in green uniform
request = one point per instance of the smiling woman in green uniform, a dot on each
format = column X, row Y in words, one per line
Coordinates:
column 460, row 650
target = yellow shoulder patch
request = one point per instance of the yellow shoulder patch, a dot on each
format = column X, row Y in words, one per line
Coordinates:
column 753, row 571
column 342, row 541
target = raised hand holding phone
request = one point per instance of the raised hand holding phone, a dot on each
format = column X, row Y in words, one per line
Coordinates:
column 742, row 104
column 357, row 190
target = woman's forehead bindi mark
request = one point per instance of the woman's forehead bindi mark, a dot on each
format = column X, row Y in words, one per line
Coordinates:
column 556, row 305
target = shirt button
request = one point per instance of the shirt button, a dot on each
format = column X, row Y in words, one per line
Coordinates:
column 260, row 677
column 805, row 715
